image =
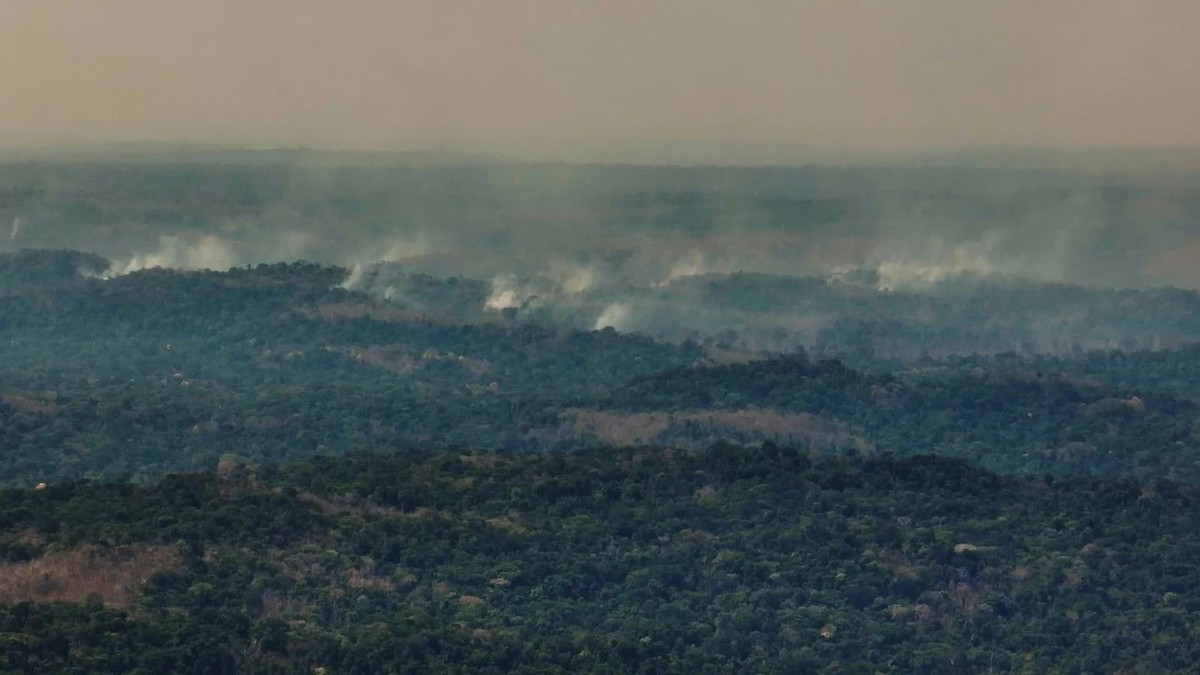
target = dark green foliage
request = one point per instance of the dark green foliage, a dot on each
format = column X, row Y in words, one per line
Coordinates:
column 29, row 269
column 641, row 560
column 1174, row 371
column 87, row 639
column 187, row 507
column 160, row 371
column 860, row 554
column 1007, row 419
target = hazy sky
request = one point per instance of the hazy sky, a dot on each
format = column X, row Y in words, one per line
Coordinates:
column 553, row 74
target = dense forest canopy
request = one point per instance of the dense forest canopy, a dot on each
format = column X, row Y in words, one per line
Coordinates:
column 477, row 436
column 163, row 370
column 725, row 560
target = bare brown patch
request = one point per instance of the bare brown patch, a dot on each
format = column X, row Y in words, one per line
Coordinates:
column 1072, row 579
column 31, row 537
column 972, row 548
column 506, row 524
column 332, row 311
column 394, row 359
column 722, row 356
column 480, row 460
column 400, row 359
column 335, row 505
column 899, row 612
column 902, row 568
column 276, row 604
column 700, row 428
column 966, row 597
column 619, row 428
column 698, row 537
column 115, row 575
column 236, row 478
column 306, row 561
column 367, row 579
column 28, row 404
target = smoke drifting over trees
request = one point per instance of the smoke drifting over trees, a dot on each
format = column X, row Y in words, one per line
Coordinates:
column 765, row 258
column 583, row 227
column 575, row 336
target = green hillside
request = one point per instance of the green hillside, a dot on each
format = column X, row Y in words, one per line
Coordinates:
column 642, row 560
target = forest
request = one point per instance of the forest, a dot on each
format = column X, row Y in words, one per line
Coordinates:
column 721, row 560
column 459, row 450
column 160, row 371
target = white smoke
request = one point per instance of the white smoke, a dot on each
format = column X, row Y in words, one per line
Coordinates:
column 353, row 281
column 615, row 315
column 571, row 278
column 370, row 267
column 507, row 293
column 909, row 272
column 512, row 291
column 203, row 252
column 370, row 259
column 16, row 228
column 403, row 247
column 695, row 263
column 691, row 264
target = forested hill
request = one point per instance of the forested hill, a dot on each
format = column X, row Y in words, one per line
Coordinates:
column 274, row 322
column 727, row 560
column 854, row 314
column 160, row 370
column 34, row 269
column 1173, row 371
column 1008, row 419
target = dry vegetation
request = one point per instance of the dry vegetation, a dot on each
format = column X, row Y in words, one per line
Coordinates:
column 28, row 404
column 338, row 504
column 114, row 575
column 394, row 359
column 331, row 311
column 698, row 428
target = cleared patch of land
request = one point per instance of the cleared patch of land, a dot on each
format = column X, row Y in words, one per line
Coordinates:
column 113, row 574
column 698, row 428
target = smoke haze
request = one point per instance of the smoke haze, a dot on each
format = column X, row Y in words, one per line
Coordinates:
column 536, row 230
column 702, row 81
column 592, row 159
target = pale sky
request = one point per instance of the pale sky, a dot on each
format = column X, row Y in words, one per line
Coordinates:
column 466, row 75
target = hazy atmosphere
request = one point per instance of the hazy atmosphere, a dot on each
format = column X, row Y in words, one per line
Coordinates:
column 691, row 337
column 1054, row 142
column 768, row 80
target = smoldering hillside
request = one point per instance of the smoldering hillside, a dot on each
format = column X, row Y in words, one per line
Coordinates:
column 159, row 370
column 766, row 258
